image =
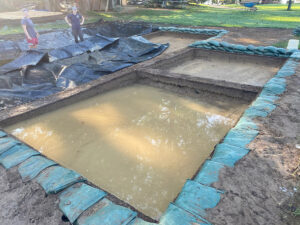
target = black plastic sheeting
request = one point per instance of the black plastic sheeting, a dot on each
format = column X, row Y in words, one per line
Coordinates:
column 59, row 39
column 93, row 58
column 92, row 44
column 29, row 58
column 120, row 29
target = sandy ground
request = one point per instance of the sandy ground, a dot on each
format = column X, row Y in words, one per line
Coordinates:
column 26, row 203
column 264, row 187
column 177, row 41
column 253, row 71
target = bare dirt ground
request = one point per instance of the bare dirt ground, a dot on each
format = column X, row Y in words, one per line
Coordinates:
column 26, row 203
column 257, row 36
column 264, row 187
column 13, row 18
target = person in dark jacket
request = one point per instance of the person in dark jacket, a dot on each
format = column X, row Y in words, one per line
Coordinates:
column 29, row 30
column 75, row 20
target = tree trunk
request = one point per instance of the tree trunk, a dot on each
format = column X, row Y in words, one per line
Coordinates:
column 107, row 5
column 289, row 6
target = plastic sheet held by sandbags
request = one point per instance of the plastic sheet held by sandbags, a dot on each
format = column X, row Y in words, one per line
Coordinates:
column 78, row 198
column 56, row 178
column 108, row 214
column 30, row 168
column 19, row 153
column 92, row 44
column 196, row 198
column 175, row 215
column 29, row 58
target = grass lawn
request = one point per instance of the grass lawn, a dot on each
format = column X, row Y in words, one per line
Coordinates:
column 271, row 15
column 59, row 24
column 274, row 16
column 283, row 44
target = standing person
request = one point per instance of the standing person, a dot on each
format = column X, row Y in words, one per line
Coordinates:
column 75, row 20
column 29, row 30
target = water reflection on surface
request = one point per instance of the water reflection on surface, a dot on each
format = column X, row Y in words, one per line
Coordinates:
column 139, row 143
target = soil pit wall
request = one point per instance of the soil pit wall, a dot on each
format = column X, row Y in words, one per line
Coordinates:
column 235, row 68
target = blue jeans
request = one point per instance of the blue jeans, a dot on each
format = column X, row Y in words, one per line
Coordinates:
column 77, row 33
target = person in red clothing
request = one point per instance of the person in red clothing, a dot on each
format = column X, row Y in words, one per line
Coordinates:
column 29, row 30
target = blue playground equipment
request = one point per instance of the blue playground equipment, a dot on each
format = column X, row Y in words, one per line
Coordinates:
column 250, row 4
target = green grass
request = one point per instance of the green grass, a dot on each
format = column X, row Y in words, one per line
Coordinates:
column 274, row 16
column 283, row 44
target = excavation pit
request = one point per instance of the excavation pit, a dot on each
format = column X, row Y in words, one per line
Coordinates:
column 136, row 141
column 176, row 40
column 247, row 70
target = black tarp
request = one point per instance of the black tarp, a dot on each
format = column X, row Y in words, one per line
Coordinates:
column 39, row 78
column 29, row 58
column 58, row 39
column 90, row 45
column 120, row 29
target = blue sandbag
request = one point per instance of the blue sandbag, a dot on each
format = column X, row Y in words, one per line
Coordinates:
column 196, row 198
column 268, row 98
column 5, row 140
column 139, row 221
column 295, row 55
column 7, row 143
column 21, row 153
column 108, row 214
column 11, row 151
column 263, row 106
column 78, row 198
column 175, row 216
column 240, row 137
column 252, row 112
column 209, row 172
column 2, row 134
column 228, row 154
column 30, row 168
column 285, row 72
column 56, row 178
column 274, row 86
column 246, row 123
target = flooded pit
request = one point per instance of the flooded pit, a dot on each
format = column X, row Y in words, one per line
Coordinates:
column 138, row 143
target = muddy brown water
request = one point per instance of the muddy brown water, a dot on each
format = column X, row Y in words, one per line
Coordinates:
column 138, row 143
column 3, row 62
